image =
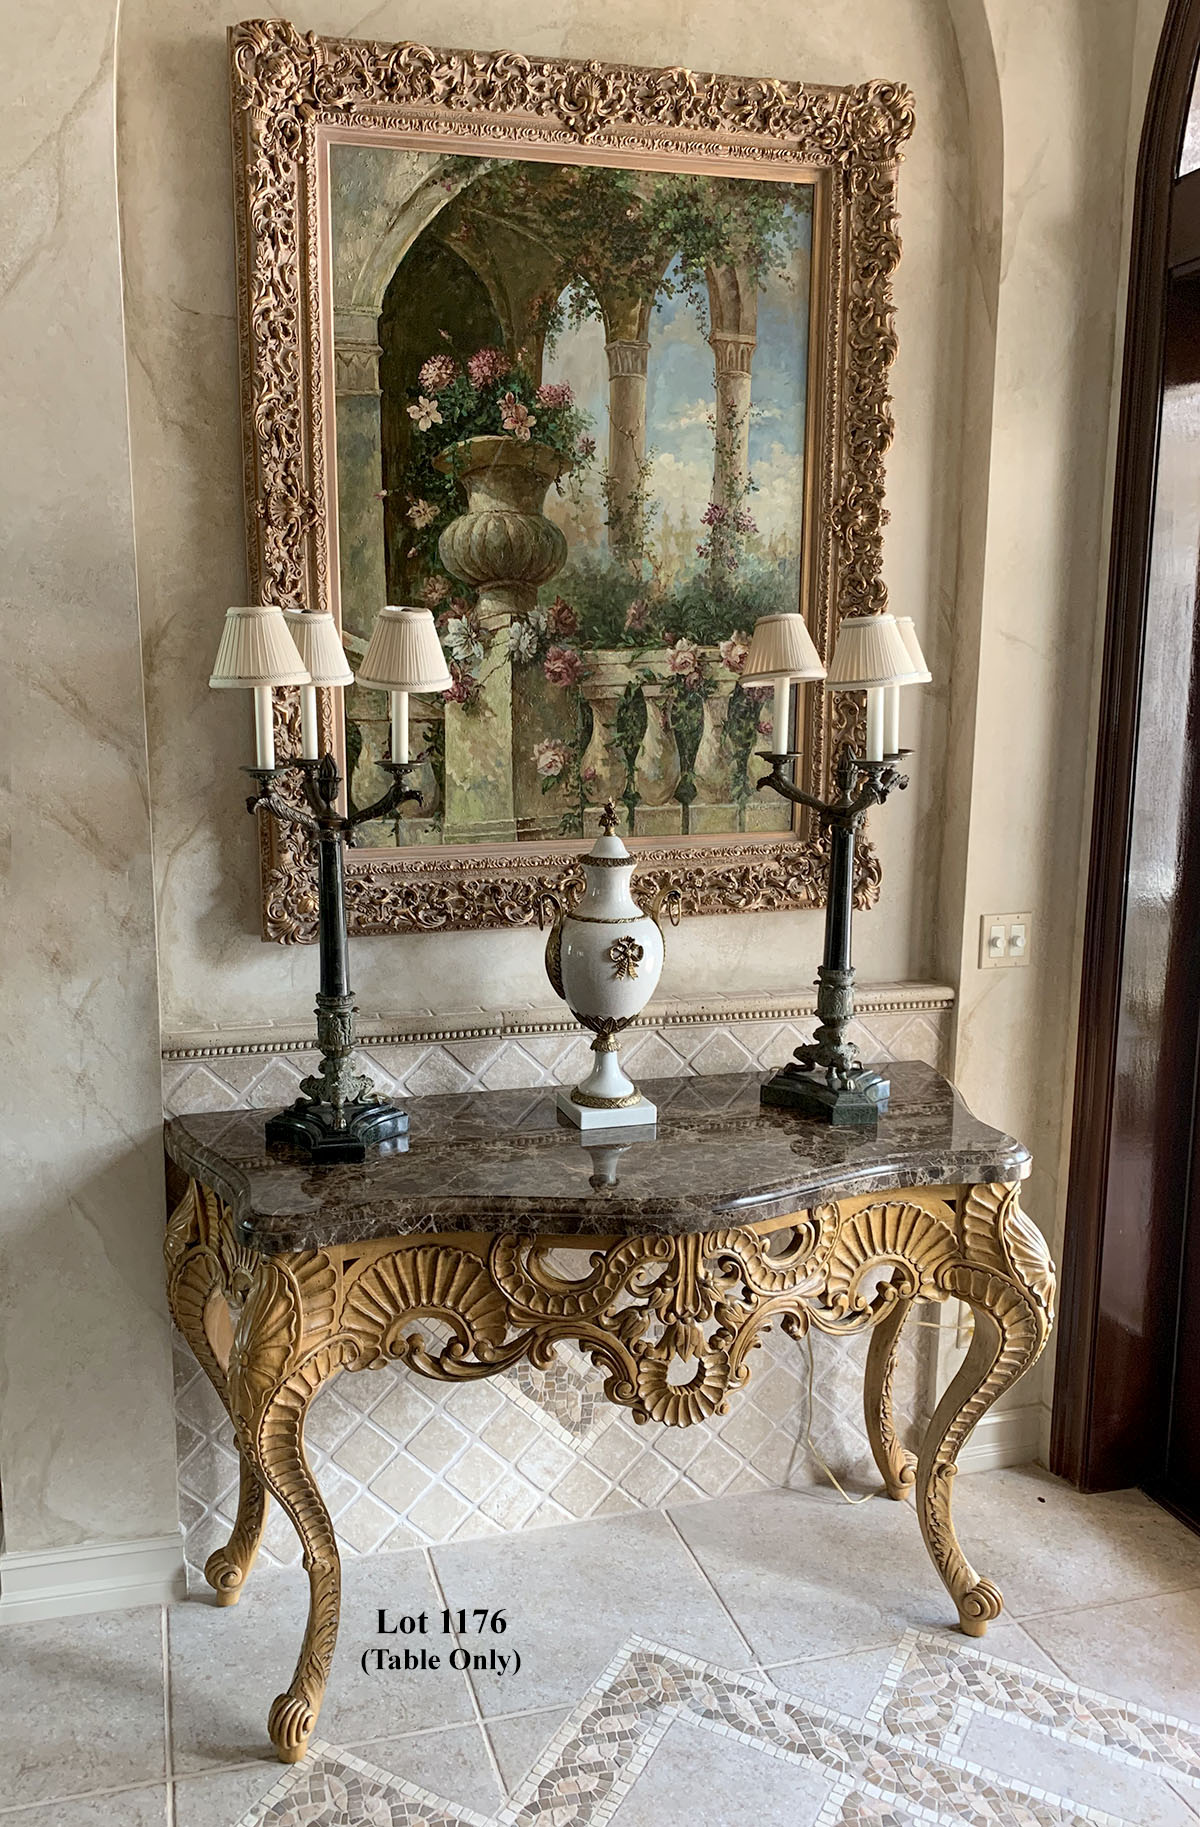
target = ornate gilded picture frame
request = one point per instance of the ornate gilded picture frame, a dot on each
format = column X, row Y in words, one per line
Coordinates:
column 660, row 304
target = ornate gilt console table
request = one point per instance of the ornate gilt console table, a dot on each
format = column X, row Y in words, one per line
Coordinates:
column 734, row 1218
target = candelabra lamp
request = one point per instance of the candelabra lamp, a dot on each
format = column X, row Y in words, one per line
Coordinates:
column 826, row 1079
column 340, row 1112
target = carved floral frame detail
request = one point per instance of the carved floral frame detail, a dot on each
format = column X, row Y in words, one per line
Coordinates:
column 287, row 87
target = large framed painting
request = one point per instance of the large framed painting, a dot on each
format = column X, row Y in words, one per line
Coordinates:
column 592, row 361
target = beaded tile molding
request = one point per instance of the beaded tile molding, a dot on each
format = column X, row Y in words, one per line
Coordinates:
column 404, row 1461
column 898, row 1765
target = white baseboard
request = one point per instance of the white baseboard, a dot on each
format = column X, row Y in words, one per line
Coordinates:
column 1007, row 1436
column 59, row 1582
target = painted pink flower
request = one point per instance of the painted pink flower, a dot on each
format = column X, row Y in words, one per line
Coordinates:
column 553, row 394
column 435, row 590
column 550, row 757
column 486, row 366
column 561, row 617
column 437, row 372
column 422, row 513
column 714, row 515
column 425, row 413
column 686, row 661
column 516, row 418
column 733, row 651
column 585, row 449
column 563, row 666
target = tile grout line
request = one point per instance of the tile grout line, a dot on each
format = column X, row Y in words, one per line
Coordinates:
column 470, row 1685
column 168, row 1728
column 1183, row 1796
column 1061, row 1611
column 687, row 1548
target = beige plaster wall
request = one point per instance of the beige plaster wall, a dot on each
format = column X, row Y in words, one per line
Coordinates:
column 86, row 1431
column 177, row 230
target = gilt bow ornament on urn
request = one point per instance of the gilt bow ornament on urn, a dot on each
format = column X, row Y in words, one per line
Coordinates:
column 604, row 958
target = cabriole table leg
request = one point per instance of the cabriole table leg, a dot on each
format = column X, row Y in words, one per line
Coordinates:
column 206, row 1270
column 279, row 1362
column 897, row 1466
column 1007, row 1279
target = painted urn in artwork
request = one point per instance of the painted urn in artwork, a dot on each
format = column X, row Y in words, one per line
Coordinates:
column 604, row 958
column 503, row 545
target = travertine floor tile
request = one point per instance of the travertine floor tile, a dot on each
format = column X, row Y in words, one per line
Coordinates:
column 1147, row 1650
column 806, row 1577
column 573, row 1596
column 1048, row 1547
column 696, row 1776
column 81, row 1704
column 1085, row 1775
column 223, row 1798
column 129, row 1808
column 518, row 1743
column 453, row 1764
column 228, row 1665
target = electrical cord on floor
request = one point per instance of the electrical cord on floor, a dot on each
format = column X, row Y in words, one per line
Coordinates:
column 924, row 1325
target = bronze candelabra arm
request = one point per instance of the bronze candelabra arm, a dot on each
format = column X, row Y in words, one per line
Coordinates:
column 265, row 799
column 396, row 795
column 778, row 781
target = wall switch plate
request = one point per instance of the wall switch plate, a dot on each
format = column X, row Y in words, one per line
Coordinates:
column 1003, row 940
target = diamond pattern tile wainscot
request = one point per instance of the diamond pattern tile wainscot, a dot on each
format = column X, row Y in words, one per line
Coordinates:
column 403, row 1461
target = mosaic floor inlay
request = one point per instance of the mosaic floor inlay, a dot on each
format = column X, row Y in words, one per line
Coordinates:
column 897, row 1765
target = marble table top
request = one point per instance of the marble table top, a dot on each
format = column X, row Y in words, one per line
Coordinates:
column 503, row 1160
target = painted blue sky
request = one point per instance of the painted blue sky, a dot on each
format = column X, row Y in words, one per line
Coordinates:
column 680, row 398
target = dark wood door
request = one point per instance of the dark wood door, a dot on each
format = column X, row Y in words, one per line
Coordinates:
column 1161, row 976
column 1127, row 1387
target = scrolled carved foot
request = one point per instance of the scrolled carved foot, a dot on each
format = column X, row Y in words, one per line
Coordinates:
column 226, row 1576
column 899, row 1481
column 977, row 1607
column 290, row 1725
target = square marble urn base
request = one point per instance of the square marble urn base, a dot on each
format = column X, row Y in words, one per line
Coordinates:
column 642, row 1115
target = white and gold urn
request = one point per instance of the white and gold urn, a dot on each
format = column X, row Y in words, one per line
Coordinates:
column 604, row 958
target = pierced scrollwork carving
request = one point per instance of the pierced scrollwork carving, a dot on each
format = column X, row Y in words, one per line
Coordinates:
column 287, row 86
column 670, row 1320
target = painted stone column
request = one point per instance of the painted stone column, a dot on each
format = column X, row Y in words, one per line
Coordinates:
column 356, row 355
column 658, row 812
column 733, row 314
column 713, row 808
column 627, row 346
column 609, row 674
column 361, row 566
column 504, row 547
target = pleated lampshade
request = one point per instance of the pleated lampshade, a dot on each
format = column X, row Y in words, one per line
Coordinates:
column 404, row 654
column 908, row 635
column 782, row 647
column 257, row 649
column 870, row 653
column 319, row 645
